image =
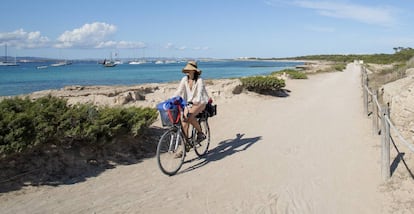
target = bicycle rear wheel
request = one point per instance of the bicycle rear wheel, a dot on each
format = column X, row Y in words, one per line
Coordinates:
column 170, row 146
column 201, row 148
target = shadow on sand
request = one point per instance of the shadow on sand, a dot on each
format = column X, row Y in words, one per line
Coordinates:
column 276, row 93
column 398, row 159
column 54, row 165
column 224, row 149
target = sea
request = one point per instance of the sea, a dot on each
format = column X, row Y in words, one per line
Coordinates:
column 27, row 77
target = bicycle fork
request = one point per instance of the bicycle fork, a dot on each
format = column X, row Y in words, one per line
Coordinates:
column 174, row 141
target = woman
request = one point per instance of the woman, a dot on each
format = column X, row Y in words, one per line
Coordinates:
column 193, row 90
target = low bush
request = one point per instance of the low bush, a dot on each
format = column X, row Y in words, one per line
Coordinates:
column 262, row 84
column 339, row 66
column 402, row 55
column 25, row 124
column 294, row 74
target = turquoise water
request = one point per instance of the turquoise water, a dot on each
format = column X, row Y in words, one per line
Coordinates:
column 26, row 78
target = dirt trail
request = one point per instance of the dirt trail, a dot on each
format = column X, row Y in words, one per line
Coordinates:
column 311, row 152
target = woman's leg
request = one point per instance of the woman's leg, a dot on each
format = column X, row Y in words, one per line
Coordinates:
column 194, row 111
column 185, row 128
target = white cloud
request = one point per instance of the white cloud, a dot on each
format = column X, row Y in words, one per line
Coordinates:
column 105, row 44
column 125, row 44
column 182, row 48
column 93, row 35
column 383, row 16
column 22, row 39
column 200, row 48
column 171, row 46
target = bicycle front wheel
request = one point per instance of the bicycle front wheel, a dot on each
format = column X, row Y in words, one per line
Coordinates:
column 201, row 148
column 170, row 152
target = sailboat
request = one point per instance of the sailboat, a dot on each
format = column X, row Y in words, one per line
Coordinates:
column 109, row 63
column 63, row 63
column 138, row 62
column 8, row 63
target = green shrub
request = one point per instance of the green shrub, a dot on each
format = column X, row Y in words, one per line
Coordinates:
column 262, row 84
column 339, row 66
column 403, row 55
column 294, row 74
column 25, row 124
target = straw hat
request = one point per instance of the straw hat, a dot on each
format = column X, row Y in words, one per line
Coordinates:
column 191, row 66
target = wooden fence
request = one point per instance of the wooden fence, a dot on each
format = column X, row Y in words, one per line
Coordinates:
column 382, row 125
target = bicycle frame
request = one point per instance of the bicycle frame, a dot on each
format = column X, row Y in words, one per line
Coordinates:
column 180, row 133
column 175, row 143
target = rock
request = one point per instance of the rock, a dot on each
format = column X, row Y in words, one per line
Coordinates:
column 145, row 95
column 124, row 98
column 138, row 96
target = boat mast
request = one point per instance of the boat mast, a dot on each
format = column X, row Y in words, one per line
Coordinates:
column 5, row 50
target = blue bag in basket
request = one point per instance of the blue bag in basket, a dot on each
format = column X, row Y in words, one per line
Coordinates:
column 170, row 110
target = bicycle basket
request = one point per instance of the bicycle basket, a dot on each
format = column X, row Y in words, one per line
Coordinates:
column 169, row 117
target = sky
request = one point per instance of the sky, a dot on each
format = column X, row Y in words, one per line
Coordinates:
column 79, row 29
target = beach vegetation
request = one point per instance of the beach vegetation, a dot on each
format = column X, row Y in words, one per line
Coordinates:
column 26, row 124
column 401, row 55
column 339, row 66
column 262, row 84
column 293, row 74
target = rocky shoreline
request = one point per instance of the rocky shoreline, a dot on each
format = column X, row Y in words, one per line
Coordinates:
column 144, row 95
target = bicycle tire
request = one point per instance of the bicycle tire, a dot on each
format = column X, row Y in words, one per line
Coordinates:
column 201, row 148
column 167, row 151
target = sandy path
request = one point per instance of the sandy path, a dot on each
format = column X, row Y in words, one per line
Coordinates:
column 311, row 152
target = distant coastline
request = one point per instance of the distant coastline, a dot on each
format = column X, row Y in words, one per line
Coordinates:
column 28, row 78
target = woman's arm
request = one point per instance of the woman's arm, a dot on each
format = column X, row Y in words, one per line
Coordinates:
column 200, row 97
column 181, row 88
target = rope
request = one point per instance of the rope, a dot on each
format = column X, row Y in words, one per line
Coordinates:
column 410, row 146
column 378, row 105
column 369, row 91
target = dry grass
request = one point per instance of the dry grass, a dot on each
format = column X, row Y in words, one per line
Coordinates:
column 383, row 74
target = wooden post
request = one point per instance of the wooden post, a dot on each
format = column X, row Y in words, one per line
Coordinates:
column 374, row 114
column 365, row 95
column 362, row 77
column 385, row 157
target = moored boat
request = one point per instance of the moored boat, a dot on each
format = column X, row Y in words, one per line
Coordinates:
column 137, row 62
column 63, row 63
column 42, row 67
column 6, row 63
column 109, row 63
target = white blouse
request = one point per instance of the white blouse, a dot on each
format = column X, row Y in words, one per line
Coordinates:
column 197, row 94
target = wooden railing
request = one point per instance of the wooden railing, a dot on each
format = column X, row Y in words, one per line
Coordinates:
column 382, row 125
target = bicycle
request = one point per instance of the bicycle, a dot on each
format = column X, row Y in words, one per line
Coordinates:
column 173, row 145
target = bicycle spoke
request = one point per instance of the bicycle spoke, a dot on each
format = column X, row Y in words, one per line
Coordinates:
column 201, row 148
column 170, row 152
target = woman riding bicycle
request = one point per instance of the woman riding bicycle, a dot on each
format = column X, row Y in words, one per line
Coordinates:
column 193, row 90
